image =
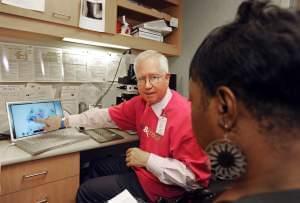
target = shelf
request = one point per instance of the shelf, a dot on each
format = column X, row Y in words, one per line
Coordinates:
column 144, row 44
column 160, row 4
column 143, row 10
column 53, row 33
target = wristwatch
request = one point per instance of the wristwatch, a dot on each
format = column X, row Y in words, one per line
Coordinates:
column 62, row 123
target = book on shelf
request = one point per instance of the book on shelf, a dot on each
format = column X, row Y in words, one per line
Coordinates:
column 145, row 30
column 157, row 26
column 147, row 34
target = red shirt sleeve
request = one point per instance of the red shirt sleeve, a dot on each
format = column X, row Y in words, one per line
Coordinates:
column 124, row 114
column 184, row 147
column 189, row 152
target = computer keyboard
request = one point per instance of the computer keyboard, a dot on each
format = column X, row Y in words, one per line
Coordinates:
column 102, row 135
column 51, row 140
column 65, row 132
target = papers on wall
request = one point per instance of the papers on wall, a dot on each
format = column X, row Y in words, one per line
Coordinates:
column 37, row 92
column 37, row 5
column 124, row 196
column 92, row 15
column 69, row 99
column 24, row 63
column 17, row 62
column 48, row 64
column 89, row 93
column 97, row 64
column 21, row 93
column 4, row 126
column 74, row 65
column 9, row 93
column 113, row 64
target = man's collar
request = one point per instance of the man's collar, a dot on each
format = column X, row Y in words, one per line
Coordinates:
column 158, row 107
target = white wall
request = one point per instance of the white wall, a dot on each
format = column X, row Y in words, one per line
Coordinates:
column 199, row 18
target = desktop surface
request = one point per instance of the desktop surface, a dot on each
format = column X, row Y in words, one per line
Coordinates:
column 11, row 154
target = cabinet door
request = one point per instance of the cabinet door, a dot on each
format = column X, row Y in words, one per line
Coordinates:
column 56, row 11
column 63, row 191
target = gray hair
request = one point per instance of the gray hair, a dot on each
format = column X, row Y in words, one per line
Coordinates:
column 151, row 54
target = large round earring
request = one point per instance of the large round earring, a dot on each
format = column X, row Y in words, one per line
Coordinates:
column 227, row 160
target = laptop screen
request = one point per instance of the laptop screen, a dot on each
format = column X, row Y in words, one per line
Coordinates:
column 22, row 116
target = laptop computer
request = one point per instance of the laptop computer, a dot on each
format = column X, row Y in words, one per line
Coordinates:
column 28, row 134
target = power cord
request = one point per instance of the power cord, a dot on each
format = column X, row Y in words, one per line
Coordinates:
column 107, row 90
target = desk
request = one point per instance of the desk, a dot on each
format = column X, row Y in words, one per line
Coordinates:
column 52, row 176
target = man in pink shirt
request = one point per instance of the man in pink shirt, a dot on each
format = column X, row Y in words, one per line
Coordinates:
column 168, row 159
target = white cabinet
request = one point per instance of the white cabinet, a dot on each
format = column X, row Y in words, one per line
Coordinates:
column 57, row 11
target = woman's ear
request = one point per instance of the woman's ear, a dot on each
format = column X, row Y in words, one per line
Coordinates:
column 227, row 107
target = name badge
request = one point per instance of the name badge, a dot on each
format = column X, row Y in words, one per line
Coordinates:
column 161, row 125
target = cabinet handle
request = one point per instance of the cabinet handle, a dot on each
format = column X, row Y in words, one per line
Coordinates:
column 61, row 16
column 43, row 200
column 35, row 174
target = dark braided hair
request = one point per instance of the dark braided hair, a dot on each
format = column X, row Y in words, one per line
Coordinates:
column 258, row 57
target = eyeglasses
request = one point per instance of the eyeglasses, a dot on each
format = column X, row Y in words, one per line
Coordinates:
column 153, row 80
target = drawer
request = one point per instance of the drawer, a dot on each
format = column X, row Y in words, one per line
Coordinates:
column 63, row 191
column 33, row 173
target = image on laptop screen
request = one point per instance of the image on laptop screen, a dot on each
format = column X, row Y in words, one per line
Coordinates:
column 22, row 116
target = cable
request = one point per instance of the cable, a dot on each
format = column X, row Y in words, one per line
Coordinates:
column 107, row 90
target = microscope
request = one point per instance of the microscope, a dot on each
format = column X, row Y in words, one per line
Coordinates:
column 128, row 85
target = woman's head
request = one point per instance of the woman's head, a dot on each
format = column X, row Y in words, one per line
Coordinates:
column 252, row 62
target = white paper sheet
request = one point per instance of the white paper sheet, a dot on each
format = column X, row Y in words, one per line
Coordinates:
column 92, row 15
column 48, row 64
column 17, row 62
column 113, row 66
column 97, row 73
column 4, row 126
column 76, row 73
column 89, row 93
column 97, row 65
column 69, row 97
column 9, row 93
column 70, row 106
column 122, row 197
column 37, row 92
column 34, row 63
column 37, row 5
column 74, row 65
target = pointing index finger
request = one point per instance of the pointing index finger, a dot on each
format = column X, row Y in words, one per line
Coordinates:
column 40, row 120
